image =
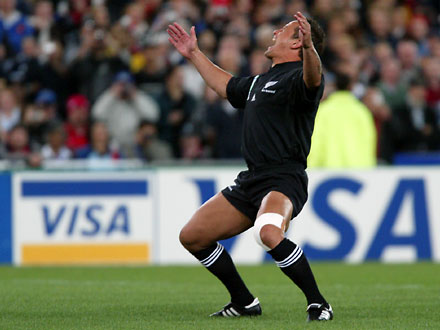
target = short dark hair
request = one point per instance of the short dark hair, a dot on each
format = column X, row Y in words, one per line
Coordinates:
column 318, row 35
column 342, row 81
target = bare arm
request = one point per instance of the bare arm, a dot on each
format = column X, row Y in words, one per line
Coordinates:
column 312, row 68
column 186, row 45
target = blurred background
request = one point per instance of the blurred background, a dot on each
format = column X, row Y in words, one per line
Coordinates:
column 96, row 79
column 92, row 87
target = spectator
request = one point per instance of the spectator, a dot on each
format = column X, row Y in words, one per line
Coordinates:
column 122, row 107
column 382, row 115
column 176, row 107
column 77, row 47
column 24, row 68
column 399, row 20
column 151, row 76
column 148, row 145
column 264, row 36
column 55, row 147
column 258, row 63
column 101, row 17
column 78, row 10
column 414, row 124
column 133, row 20
column 225, row 128
column 93, row 70
column 44, row 24
column 100, row 147
column 344, row 134
column 13, row 25
column 418, row 30
column 10, row 112
column 77, row 122
column 40, row 115
column 18, row 148
column 190, row 143
column 54, row 73
column 18, row 145
column 379, row 20
column 392, row 88
column 409, row 59
column 431, row 71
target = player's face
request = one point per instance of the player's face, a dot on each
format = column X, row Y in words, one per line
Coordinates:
column 283, row 39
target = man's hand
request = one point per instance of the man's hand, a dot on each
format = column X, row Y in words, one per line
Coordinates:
column 312, row 68
column 305, row 34
column 185, row 44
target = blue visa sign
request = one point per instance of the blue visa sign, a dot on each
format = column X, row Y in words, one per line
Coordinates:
column 391, row 215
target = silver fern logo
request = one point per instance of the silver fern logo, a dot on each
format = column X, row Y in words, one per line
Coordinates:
column 269, row 84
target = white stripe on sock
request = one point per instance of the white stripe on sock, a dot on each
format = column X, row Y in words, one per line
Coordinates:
column 209, row 257
column 213, row 256
column 291, row 259
column 296, row 258
column 292, row 255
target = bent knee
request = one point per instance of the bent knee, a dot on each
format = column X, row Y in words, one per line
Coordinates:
column 187, row 237
column 268, row 230
column 271, row 235
column 194, row 239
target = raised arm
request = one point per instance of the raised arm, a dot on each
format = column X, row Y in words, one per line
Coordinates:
column 312, row 68
column 186, row 45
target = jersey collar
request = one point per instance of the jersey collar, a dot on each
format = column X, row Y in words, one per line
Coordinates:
column 286, row 66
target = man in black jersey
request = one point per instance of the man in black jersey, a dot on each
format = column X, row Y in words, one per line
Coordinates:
column 279, row 112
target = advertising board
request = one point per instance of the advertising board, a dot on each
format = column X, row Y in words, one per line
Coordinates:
column 82, row 218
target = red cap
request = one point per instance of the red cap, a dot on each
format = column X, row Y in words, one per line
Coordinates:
column 77, row 101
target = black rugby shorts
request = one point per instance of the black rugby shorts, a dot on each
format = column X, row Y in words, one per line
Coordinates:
column 252, row 185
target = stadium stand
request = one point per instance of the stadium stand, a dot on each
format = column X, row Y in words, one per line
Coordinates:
column 52, row 51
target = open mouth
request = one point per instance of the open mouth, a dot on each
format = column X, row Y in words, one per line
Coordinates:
column 274, row 39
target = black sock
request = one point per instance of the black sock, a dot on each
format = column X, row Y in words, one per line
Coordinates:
column 218, row 261
column 292, row 261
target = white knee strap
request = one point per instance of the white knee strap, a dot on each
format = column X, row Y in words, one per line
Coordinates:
column 266, row 219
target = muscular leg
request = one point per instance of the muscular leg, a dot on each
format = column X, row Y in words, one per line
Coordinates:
column 275, row 202
column 215, row 220
column 288, row 256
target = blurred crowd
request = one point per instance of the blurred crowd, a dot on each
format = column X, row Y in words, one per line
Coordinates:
column 98, row 80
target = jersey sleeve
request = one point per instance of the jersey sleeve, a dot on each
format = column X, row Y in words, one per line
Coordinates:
column 237, row 91
column 301, row 94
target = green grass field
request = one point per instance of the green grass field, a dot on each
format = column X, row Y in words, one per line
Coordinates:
column 368, row 296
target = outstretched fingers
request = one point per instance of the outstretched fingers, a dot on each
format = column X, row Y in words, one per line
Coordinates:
column 302, row 21
column 172, row 41
column 180, row 29
column 173, row 31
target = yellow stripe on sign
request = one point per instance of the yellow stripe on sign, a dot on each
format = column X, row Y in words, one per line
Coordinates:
column 65, row 254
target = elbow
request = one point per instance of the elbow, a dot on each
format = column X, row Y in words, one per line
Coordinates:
column 221, row 91
column 313, row 83
column 224, row 86
column 222, row 94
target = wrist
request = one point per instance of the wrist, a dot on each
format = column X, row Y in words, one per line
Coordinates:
column 194, row 54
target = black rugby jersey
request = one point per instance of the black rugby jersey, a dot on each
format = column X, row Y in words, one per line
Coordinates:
column 279, row 115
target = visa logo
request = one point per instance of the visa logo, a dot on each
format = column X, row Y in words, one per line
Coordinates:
column 90, row 220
